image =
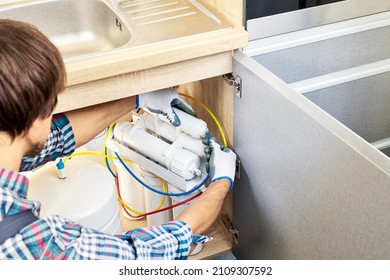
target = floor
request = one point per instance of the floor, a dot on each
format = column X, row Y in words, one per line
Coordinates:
column 227, row 256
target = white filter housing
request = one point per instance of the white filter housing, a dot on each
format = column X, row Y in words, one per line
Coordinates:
column 132, row 192
column 153, row 200
column 182, row 162
column 195, row 127
column 87, row 195
column 173, row 134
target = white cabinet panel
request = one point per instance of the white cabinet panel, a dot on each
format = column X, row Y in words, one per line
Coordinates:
column 310, row 186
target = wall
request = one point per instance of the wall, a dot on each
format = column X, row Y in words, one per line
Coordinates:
column 262, row 8
column 5, row 2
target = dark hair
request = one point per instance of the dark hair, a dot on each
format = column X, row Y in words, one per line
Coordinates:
column 32, row 74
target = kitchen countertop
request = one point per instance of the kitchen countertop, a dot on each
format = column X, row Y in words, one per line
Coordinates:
column 150, row 67
column 154, row 55
column 156, row 63
column 140, row 57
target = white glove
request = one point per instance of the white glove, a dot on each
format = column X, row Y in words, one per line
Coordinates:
column 162, row 102
column 222, row 164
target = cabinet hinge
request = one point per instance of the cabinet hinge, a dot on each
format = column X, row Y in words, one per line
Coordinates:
column 238, row 168
column 232, row 230
column 235, row 81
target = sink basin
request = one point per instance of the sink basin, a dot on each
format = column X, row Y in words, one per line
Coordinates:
column 87, row 28
column 76, row 27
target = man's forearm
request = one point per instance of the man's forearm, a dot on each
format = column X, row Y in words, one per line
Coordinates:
column 90, row 121
column 204, row 211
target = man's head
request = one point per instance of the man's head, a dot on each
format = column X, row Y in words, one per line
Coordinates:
column 32, row 73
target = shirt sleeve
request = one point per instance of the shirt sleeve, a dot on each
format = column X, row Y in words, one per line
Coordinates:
column 61, row 142
column 55, row 237
column 171, row 240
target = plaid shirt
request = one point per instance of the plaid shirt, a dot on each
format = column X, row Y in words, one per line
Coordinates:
column 55, row 237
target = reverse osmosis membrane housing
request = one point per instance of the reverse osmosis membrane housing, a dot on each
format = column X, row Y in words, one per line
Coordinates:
column 86, row 196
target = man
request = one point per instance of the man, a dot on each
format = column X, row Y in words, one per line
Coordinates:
column 31, row 75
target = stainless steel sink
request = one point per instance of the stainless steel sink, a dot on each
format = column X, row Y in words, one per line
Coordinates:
column 76, row 27
column 85, row 28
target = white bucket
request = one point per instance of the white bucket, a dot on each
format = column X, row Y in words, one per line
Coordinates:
column 86, row 196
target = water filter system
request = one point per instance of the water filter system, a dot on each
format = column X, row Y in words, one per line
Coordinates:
column 169, row 162
column 160, row 169
column 167, row 165
column 169, row 152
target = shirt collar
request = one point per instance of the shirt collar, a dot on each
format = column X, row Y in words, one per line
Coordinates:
column 14, row 182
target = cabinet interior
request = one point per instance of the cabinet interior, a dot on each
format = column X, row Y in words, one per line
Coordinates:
column 326, row 56
column 213, row 93
column 344, row 71
column 362, row 105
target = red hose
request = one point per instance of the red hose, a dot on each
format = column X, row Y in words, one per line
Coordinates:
column 155, row 211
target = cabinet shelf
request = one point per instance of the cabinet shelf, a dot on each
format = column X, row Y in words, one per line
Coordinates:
column 218, row 246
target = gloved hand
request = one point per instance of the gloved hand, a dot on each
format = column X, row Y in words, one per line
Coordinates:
column 222, row 161
column 162, row 102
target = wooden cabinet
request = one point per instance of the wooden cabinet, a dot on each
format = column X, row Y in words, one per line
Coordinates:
column 311, row 184
column 196, row 64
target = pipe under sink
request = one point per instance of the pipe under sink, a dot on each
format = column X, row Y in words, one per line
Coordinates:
column 96, row 27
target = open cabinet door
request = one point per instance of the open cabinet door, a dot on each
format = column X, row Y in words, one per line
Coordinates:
column 309, row 187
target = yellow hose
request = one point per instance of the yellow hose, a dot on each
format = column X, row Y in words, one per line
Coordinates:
column 124, row 204
column 211, row 114
column 92, row 154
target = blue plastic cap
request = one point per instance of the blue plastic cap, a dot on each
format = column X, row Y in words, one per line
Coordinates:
column 60, row 165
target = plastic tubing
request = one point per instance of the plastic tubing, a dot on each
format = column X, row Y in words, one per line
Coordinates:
column 91, row 154
column 105, row 156
column 106, row 163
column 157, row 191
column 115, row 176
column 126, row 207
